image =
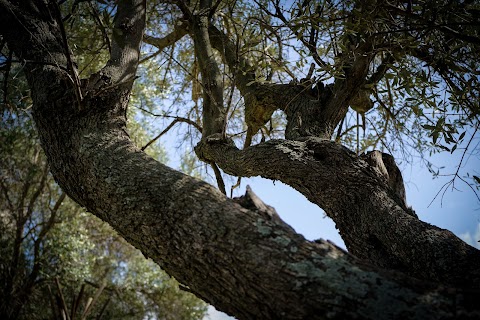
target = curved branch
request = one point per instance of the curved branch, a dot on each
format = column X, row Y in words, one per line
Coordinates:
column 359, row 200
column 170, row 126
column 179, row 31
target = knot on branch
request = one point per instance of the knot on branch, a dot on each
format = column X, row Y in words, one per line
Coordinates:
column 97, row 82
column 252, row 202
column 328, row 151
column 127, row 25
column 206, row 148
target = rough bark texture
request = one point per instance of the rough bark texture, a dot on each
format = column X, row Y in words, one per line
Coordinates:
column 243, row 261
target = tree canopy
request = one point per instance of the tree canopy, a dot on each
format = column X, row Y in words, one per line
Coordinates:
column 282, row 90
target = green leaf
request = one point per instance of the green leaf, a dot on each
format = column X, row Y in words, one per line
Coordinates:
column 389, row 76
column 428, row 127
column 435, row 137
column 454, row 148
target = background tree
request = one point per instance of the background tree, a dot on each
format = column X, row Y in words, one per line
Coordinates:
column 409, row 70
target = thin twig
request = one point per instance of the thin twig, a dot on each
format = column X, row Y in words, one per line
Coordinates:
column 170, row 127
column 96, row 14
column 182, row 119
column 62, row 298
column 456, row 175
column 218, row 176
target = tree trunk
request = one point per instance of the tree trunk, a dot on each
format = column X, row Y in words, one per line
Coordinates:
column 243, row 261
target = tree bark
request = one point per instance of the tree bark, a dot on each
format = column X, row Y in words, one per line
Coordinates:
column 243, row 261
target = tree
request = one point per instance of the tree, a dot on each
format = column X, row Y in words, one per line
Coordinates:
column 237, row 254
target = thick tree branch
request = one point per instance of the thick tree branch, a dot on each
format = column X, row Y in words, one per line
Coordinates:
column 179, row 31
column 262, row 99
column 368, row 214
column 381, row 70
column 345, row 90
column 300, row 102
